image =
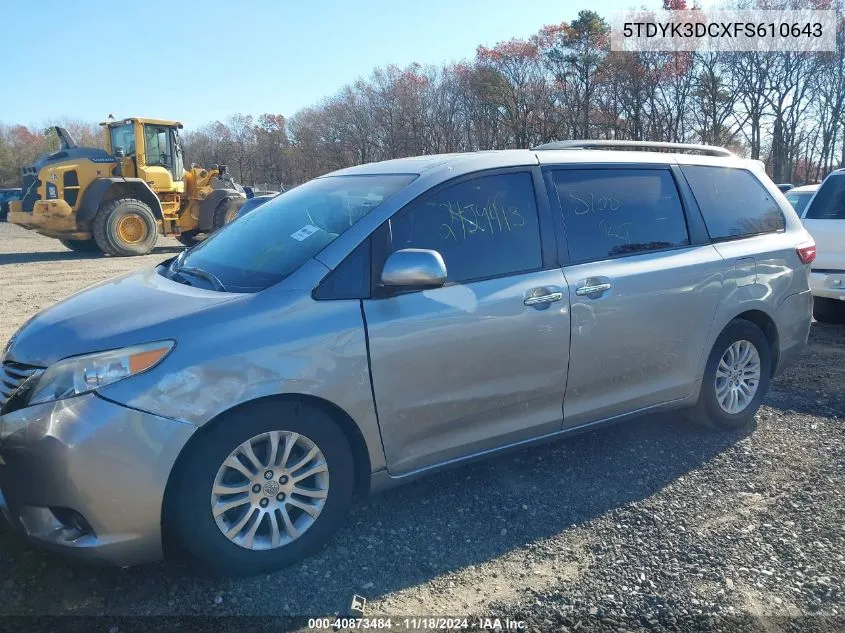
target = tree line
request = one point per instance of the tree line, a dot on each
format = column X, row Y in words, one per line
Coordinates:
column 563, row 82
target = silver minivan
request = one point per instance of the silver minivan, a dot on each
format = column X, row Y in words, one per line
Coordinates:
column 388, row 320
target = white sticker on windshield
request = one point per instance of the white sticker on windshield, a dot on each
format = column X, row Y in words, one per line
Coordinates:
column 306, row 231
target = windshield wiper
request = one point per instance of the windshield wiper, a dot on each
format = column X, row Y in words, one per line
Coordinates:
column 203, row 274
column 178, row 268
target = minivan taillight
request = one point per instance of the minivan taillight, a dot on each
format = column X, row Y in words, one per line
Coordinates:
column 806, row 252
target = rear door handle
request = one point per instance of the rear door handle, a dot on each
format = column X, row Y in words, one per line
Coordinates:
column 593, row 289
column 549, row 298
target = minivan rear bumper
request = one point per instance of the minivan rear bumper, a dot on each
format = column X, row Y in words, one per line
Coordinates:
column 86, row 476
column 828, row 283
column 793, row 319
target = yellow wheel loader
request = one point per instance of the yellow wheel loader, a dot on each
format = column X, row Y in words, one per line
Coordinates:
column 120, row 199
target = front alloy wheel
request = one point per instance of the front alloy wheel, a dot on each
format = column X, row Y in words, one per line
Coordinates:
column 270, row 490
column 261, row 487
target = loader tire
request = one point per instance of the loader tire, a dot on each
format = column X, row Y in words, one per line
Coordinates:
column 81, row 246
column 188, row 238
column 125, row 227
column 226, row 210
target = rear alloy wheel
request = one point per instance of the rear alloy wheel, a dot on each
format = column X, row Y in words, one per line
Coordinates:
column 266, row 486
column 125, row 227
column 81, row 246
column 736, row 377
column 826, row 310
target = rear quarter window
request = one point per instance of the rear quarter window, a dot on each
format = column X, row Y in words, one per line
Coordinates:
column 829, row 203
column 733, row 202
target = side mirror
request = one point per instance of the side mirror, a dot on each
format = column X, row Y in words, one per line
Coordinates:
column 414, row 268
column 119, row 154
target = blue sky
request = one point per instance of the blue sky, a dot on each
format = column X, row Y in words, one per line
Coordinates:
column 198, row 62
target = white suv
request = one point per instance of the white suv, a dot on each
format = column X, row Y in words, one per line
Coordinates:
column 824, row 218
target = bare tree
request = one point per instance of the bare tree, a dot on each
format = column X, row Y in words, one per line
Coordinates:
column 785, row 108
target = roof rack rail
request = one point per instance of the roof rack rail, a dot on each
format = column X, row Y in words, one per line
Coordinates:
column 707, row 150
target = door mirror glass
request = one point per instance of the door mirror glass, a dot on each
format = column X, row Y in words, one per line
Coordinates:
column 414, row 268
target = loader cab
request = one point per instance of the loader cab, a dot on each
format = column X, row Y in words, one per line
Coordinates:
column 152, row 151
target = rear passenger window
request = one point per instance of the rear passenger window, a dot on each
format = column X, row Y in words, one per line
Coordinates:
column 733, row 202
column 484, row 227
column 829, row 203
column 613, row 212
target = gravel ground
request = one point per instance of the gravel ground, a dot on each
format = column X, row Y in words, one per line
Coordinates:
column 653, row 525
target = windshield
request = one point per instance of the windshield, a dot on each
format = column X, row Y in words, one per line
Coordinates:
column 123, row 136
column 799, row 200
column 263, row 247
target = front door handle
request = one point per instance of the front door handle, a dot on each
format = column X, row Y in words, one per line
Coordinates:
column 549, row 298
column 593, row 289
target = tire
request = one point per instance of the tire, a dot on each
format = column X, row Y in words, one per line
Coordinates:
column 112, row 240
column 708, row 411
column 827, row 310
column 224, row 210
column 192, row 529
column 81, row 246
column 188, row 238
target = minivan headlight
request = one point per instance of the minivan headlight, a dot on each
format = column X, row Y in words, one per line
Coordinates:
column 81, row 374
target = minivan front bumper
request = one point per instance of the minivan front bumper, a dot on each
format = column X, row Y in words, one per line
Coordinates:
column 86, row 476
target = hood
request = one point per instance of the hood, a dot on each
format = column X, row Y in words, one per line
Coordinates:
column 138, row 307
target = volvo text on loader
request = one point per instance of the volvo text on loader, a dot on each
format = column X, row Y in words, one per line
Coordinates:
column 119, row 199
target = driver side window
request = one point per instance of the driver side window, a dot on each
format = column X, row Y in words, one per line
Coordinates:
column 156, row 146
column 483, row 227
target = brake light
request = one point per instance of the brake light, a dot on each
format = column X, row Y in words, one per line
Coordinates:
column 806, row 252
